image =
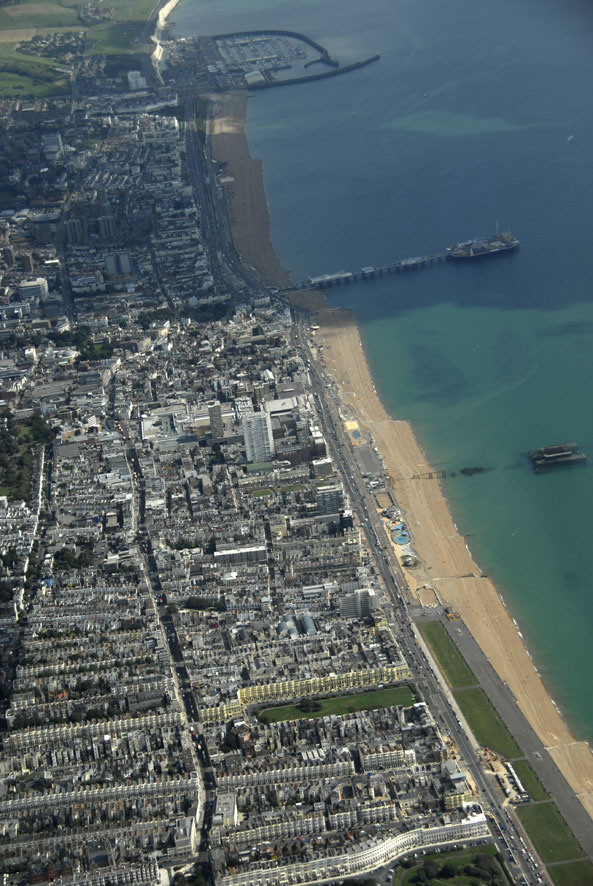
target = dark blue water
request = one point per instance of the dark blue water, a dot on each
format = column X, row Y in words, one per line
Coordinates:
column 478, row 113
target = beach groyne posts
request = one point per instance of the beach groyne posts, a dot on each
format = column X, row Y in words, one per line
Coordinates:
column 339, row 278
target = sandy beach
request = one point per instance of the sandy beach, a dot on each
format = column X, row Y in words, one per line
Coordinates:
column 244, row 188
column 447, row 564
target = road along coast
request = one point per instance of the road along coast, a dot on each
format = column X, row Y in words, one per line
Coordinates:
column 446, row 562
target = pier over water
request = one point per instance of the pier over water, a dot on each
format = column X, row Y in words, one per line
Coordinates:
column 476, row 248
column 339, row 278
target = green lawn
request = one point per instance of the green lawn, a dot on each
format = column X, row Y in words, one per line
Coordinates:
column 344, row 704
column 18, row 83
column 531, row 782
column 457, row 861
column 548, row 832
column 22, row 74
column 133, row 10
column 29, row 74
column 115, row 38
column 450, row 661
column 49, row 14
column 485, row 723
column 573, row 873
column 17, row 444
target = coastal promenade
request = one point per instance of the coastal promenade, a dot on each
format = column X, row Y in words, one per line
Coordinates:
column 540, row 758
column 447, row 562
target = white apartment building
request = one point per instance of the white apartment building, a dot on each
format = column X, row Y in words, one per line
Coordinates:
column 257, row 431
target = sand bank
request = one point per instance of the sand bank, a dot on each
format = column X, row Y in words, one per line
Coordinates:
column 447, row 564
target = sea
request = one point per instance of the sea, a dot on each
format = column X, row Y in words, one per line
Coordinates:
column 478, row 114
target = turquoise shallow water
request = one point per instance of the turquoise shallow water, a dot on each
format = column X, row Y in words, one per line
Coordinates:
column 465, row 121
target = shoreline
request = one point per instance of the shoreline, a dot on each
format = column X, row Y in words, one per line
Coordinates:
column 162, row 13
column 446, row 560
column 243, row 184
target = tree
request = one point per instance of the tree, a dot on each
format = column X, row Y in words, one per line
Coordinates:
column 309, row 705
column 431, row 868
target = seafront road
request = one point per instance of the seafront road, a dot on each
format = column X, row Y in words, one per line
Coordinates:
column 536, row 753
column 501, row 697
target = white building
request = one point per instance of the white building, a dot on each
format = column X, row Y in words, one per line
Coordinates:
column 363, row 858
column 136, row 80
column 257, row 431
column 34, row 288
column 53, row 147
column 358, row 604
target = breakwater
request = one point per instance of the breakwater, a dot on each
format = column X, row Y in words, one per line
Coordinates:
column 278, row 32
column 323, row 75
column 324, row 58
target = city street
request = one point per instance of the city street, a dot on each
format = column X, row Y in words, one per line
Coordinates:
column 434, row 690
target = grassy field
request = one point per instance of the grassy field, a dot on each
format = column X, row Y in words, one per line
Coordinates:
column 457, row 858
column 116, row 38
column 28, row 75
column 16, row 83
column 17, row 442
column 450, row 661
column 548, row 832
column 531, row 782
column 344, row 704
column 133, row 10
column 485, row 723
column 121, row 39
column 573, row 873
column 47, row 15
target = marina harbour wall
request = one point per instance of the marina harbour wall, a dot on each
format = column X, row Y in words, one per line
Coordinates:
column 266, row 32
column 289, row 689
column 371, row 855
column 268, row 77
column 323, row 75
